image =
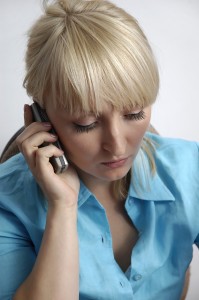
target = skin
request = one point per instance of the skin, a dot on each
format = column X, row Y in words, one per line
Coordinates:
column 92, row 153
column 110, row 139
column 58, row 252
column 113, row 138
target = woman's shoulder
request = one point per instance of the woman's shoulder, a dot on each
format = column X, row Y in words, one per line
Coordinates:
column 17, row 183
column 178, row 146
column 13, row 173
column 177, row 157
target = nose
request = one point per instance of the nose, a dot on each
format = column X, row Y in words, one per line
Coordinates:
column 114, row 140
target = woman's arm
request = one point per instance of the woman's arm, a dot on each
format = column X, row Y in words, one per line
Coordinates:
column 55, row 274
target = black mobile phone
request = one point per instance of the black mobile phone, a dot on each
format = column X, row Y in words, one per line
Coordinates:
column 60, row 163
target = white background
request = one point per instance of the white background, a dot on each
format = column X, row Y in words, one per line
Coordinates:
column 172, row 27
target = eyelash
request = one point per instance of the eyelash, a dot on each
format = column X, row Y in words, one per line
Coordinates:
column 87, row 128
column 130, row 117
column 136, row 117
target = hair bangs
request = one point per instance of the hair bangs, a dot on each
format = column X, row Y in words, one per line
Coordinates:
column 94, row 67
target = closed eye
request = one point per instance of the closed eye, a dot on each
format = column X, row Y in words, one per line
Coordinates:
column 135, row 116
column 84, row 128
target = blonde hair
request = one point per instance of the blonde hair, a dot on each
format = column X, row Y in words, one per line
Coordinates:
column 82, row 53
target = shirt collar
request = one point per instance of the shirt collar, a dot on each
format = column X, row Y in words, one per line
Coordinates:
column 154, row 189
column 147, row 186
column 84, row 194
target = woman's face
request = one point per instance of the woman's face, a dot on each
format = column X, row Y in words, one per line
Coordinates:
column 101, row 148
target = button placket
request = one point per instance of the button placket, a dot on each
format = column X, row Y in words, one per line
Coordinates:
column 122, row 283
column 102, row 239
column 106, row 239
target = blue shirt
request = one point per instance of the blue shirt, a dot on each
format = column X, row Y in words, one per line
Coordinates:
column 165, row 212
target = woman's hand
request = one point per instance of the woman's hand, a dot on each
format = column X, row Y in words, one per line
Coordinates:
column 61, row 189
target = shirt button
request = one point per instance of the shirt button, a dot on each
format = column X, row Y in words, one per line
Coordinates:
column 130, row 202
column 137, row 277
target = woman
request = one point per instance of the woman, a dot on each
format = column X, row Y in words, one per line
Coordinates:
column 117, row 224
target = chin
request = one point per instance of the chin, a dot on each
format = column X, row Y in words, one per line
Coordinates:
column 116, row 175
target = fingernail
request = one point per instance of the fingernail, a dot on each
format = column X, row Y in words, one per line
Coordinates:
column 46, row 124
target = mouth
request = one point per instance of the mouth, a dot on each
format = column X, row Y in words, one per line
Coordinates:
column 115, row 163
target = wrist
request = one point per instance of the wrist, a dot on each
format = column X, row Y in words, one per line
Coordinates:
column 69, row 203
column 62, row 212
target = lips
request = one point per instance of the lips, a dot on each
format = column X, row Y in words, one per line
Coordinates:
column 115, row 163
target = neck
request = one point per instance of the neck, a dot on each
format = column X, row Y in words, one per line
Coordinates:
column 105, row 190
column 99, row 188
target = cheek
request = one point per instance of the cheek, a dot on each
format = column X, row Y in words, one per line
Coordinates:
column 137, row 133
column 140, row 129
column 80, row 148
column 145, row 123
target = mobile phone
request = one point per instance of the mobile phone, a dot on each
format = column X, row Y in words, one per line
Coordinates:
column 60, row 163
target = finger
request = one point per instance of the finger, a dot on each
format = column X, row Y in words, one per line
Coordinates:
column 32, row 143
column 33, row 153
column 28, row 116
column 30, row 131
column 42, row 158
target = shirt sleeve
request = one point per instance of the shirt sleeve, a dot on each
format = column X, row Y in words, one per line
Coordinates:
column 17, row 252
column 17, row 255
column 197, row 161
